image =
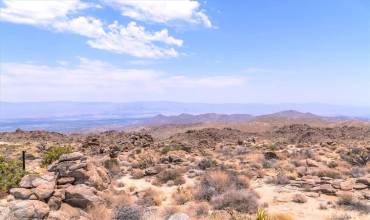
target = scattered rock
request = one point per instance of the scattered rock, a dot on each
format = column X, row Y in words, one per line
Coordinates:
column 29, row 209
column 179, row 216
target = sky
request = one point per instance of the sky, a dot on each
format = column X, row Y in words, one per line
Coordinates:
column 215, row 51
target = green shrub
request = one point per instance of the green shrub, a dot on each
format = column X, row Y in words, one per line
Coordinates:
column 54, row 153
column 167, row 149
column 11, row 173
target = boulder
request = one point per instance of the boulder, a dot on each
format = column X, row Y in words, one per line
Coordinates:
column 364, row 180
column 43, row 192
column 71, row 156
column 21, row 193
column 68, row 212
column 29, row 209
column 325, row 189
column 54, row 202
column 81, row 196
column 151, row 171
column 65, row 180
column 179, row 216
column 312, row 163
column 360, row 186
column 346, row 185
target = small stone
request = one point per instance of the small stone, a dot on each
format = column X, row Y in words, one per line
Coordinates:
column 346, row 186
column 179, row 216
column 360, row 186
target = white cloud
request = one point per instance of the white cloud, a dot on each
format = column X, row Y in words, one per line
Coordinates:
column 39, row 12
column 136, row 41
column 61, row 16
column 93, row 80
column 163, row 11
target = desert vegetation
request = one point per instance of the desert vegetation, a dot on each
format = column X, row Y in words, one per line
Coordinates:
column 206, row 173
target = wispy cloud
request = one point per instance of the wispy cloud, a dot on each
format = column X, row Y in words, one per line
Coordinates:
column 103, row 81
column 163, row 11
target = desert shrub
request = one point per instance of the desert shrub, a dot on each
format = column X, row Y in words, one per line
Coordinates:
column 217, row 182
column 240, row 200
column 327, row 173
column 340, row 217
column 112, row 165
column 358, row 156
column 167, row 149
column 299, row 198
column 169, row 174
column 150, row 197
column 144, row 161
column 268, row 163
column 278, row 180
column 205, row 163
column 128, row 213
column 137, row 173
column 348, row 201
column 332, row 164
column 54, row 153
column 11, row 173
column 357, row 172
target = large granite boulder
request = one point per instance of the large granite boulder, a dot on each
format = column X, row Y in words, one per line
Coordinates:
column 81, row 196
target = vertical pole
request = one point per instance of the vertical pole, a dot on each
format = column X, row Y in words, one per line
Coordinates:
column 24, row 160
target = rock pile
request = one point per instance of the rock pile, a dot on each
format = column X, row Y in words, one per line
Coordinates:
column 72, row 183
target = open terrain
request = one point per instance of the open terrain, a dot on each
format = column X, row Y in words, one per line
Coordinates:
column 282, row 166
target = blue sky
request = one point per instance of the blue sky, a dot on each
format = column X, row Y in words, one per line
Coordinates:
column 215, row 51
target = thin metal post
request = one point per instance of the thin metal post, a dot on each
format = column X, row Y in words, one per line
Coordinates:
column 24, row 160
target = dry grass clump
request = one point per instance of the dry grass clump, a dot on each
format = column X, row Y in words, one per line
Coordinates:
column 100, row 212
column 280, row 216
column 182, row 196
column 116, row 199
column 263, row 215
column 144, row 161
column 200, row 210
column 279, row 180
column 239, row 200
column 326, row 172
column 150, row 197
column 171, row 175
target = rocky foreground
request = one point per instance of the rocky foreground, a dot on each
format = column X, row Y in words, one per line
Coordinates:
column 292, row 172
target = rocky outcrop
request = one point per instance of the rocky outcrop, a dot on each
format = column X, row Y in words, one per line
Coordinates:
column 74, row 168
column 72, row 181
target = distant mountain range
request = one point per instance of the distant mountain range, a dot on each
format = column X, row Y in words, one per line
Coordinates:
column 74, row 116
column 107, row 110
